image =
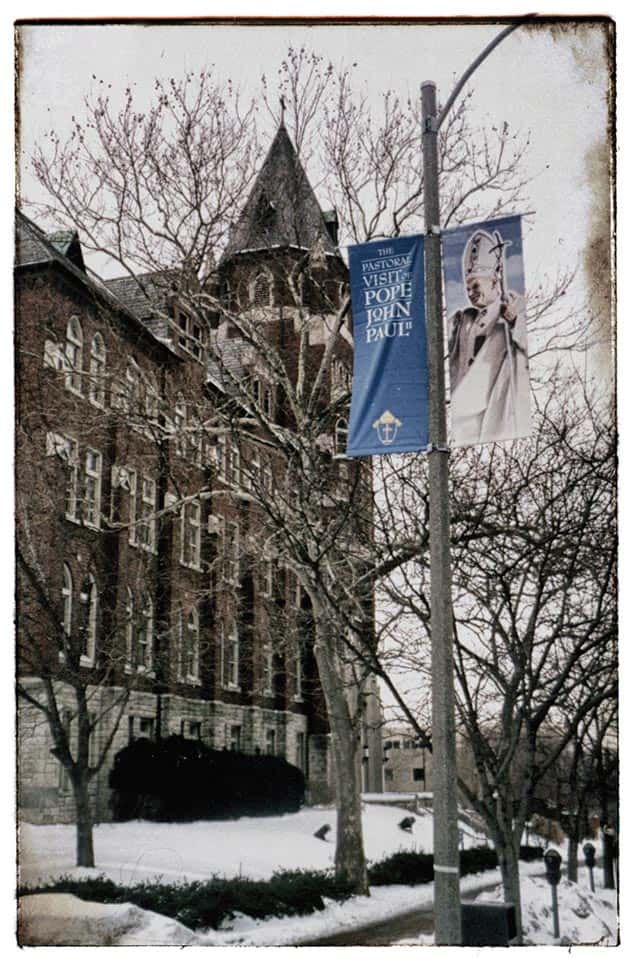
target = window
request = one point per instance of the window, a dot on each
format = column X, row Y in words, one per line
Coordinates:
column 230, row 655
column 144, row 638
column 128, row 630
column 191, row 534
column 134, row 392
column 92, row 488
column 190, row 335
column 69, row 454
column 140, row 727
column 67, row 599
column 295, row 593
column 216, row 455
column 53, row 355
column 418, row 773
column 268, row 669
column 119, row 395
column 89, row 615
column 180, row 424
column 340, row 379
column 133, row 484
column 267, row 400
column 73, row 356
column 147, row 522
column 191, row 729
column 270, row 741
column 190, row 650
column 301, row 751
column 195, row 442
column 262, row 290
column 234, row 736
column 232, row 552
column 97, row 370
column 341, row 433
column 234, row 464
column 151, row 399
column 265, row 578
column 267, row 477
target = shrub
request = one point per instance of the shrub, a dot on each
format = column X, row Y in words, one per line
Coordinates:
column 403, row 868
column 209, row 903
column 413, row 868
column 177, row 779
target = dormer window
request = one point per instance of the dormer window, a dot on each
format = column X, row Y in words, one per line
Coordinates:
column 190, row 335
column 265, row 211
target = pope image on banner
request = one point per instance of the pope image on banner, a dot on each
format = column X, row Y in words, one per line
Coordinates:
column 487, row 328
column 389, row 396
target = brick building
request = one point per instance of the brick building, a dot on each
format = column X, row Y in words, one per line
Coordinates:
column 140, row 578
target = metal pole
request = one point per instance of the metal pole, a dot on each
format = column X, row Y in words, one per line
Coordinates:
column 445, row 808
column 556, row 916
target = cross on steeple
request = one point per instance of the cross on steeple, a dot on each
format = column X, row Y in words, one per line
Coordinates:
column 282, row 109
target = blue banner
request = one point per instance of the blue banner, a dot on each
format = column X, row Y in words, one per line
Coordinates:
column 389, row 397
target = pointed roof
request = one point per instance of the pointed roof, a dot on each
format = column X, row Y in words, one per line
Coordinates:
column 282, row 209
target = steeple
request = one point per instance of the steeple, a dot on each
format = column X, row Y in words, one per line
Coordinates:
column 282, row 209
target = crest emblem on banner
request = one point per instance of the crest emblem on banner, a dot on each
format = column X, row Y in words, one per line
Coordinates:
column 387, row 427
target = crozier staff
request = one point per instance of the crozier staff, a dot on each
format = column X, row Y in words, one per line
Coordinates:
column 488, row 349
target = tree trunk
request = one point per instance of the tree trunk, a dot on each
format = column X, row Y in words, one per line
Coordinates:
column 350, row 860
column 607, row 859
column 84, row 823
column 508, row 849
column 572, row 855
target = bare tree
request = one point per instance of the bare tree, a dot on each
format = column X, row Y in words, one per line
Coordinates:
column 155, row 188
column 534, row 575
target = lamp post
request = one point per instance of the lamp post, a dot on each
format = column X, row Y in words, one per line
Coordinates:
column 445, row 810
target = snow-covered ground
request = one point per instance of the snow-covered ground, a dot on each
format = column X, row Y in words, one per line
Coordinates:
column 251, row 847
column 256, row 847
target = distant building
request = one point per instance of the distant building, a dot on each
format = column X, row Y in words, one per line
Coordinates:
column 111, row 396
column 407, row 765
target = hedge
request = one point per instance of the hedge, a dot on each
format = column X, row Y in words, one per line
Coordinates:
column 176, row 779
column 207, row 904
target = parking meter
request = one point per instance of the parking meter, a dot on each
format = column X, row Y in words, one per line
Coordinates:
column 552, row 861
column 590, row 859
column 589, row 855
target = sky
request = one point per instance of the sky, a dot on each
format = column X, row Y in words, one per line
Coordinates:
column 554, row 86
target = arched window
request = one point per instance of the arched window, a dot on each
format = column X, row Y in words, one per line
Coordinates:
column 261, row 294
column 97, row 370
column 67, row 599
column 191, row 657
column 341, row 433
column 73, row 356
column 89, row 601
